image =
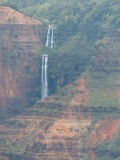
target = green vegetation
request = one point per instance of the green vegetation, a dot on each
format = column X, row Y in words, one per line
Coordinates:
column 87, row 39
column 71, row 17
column 72, row 14
column 102, row 91
column 78, row 28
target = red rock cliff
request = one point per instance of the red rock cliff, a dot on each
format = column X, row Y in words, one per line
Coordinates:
column 20, row 37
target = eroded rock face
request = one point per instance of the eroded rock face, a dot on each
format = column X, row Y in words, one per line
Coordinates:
column 82, row 93
column 52, row 134
column 105, row 129
column 45, row 137
column 20, row 37
column 74, row 135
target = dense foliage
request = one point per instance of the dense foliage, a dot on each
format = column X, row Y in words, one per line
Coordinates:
column 72, row 14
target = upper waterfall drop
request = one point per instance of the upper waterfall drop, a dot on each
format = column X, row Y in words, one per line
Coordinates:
column 50, row 37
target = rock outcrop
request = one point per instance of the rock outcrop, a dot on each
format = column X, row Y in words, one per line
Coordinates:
column 20, row 37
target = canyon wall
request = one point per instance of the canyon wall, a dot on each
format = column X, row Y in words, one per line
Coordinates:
column 20, row 38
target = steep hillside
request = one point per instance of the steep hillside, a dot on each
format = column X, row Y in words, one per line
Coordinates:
column 82, row 120
column 20, row 36
column 63, row 127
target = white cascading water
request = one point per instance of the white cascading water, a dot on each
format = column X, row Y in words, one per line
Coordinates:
column 48, row 36
column 52, row 38
column 49, row 43
column 44, row 86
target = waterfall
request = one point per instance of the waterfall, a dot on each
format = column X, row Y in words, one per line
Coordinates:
column 44, row 86
column 44, row 79
column 50, row 37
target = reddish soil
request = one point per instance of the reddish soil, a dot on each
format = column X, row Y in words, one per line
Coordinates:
column 81, row 96
column 70, row 127
column 105, row 129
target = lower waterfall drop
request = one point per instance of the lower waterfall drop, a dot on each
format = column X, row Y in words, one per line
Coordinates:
column 44, row 85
